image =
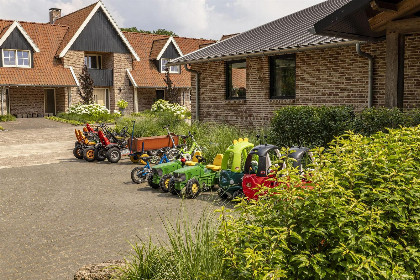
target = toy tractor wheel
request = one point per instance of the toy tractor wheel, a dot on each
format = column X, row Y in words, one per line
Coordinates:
column 89, row 154
column 164, row 182
column 192, row 189
column 222, row 194
column 238, row 194
column 173, row 154
column 100, row 154
column 78, row 152
column 150, row 182
column 113, row 155
column 154, row 159
column 135, row 159
column 138, row 175
column 172, row 188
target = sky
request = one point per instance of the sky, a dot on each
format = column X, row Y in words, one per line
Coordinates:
column 208, row 19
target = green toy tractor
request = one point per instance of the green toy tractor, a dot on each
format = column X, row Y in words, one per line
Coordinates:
column 162, row 173
column 190, row 181
column 231, row 174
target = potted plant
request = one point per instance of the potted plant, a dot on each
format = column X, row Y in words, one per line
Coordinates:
column 122, row 104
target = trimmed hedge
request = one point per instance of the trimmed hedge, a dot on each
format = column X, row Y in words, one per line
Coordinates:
column 317, row 126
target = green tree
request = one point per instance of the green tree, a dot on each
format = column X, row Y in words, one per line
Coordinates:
column 160, row 31
column 86, row 86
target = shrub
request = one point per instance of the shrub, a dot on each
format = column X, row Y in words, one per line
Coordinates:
column 7, row 118
column 360, row 220
column 122, row 104
column 89, row 113
column 309, row 126
column 177, row 110
column 372, row 120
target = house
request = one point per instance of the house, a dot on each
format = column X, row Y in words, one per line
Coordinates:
column 149, row 74
column 40, row 63
column 361, row 53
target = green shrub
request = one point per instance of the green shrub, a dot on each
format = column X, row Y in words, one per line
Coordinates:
column 7, row 118
column 309, row 126
column 372, row 120
column 189, row 255
column 360, row 220
column 122, row 104
column 175, row 109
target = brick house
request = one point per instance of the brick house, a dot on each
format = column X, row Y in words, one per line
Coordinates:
column 148, row 74
column 340, row 52
column 40, row 63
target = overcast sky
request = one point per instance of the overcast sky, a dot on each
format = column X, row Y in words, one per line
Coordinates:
column 208, row 19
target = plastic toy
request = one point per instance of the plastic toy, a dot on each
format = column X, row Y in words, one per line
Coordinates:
column 230, row 180
column 260, row 163
column 191, row 180
column 141, row 174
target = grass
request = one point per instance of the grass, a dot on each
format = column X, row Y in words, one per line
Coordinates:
column 57, row 119
column 7, row 118
column 1, row 128
column 189, row 254
column 86, row 118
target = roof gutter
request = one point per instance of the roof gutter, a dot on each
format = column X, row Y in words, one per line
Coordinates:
column 197, row 91
column 267, row 53
column 370, row 58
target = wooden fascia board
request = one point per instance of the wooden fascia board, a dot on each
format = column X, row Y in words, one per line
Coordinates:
column 404, row 26
column 171, row 39
column 17, row 25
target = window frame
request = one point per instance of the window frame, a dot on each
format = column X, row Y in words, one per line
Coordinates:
column 162, row 70
column 97, row 61
column 16, row 58
column 228, row 79
column 272, row 76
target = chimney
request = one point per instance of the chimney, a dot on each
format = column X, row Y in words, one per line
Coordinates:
column 55, row 13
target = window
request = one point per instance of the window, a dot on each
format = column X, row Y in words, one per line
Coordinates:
column 16, row 58
column 93, row 61
column 160, row 94
column 164, row 68
column 236, row 79
column 283, row 76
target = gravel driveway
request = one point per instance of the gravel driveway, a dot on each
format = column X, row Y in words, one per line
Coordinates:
column 58, row 213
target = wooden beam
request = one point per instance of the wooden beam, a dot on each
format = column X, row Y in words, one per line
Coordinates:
column 381, row 6
column 404, row 26
column 391, row 77
column 406, row 7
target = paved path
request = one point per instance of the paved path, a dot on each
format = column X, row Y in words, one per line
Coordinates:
column 58, row 213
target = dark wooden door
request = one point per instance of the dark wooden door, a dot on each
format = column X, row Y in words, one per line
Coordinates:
column 50, row 101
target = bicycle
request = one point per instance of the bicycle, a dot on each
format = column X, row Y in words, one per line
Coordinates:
column 142, row 174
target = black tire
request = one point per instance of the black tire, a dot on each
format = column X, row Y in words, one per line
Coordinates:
column 100, row 154
column 154, row 159
column 238, row 194
column 150, row 182
column 164, row 182
column 113, row 155
column 137, row 175
column 222, row 194
column 78, row 152
column 89, row 154
column 172, row 189
column 173, row 154
column 192, row 189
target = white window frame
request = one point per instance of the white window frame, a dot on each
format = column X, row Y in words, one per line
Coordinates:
column 97, row 60
column 16, row 58
column 162, row 70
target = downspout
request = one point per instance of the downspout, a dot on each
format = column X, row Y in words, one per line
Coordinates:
column 370, row 57
column 2, row 100
column 197, row 91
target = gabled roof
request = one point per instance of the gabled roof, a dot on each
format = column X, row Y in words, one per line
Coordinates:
column 145, row 72
column 78, row 20
column 46, row 70
column 287, row 33
column 9, row 30
column 167, row 43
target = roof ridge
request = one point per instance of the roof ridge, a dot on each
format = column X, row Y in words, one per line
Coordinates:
column 93, row 4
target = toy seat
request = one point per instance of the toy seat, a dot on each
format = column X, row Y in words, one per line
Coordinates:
column 217, row 162
column 194, row 160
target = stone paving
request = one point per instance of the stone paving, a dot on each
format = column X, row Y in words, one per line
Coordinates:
column 58, row 213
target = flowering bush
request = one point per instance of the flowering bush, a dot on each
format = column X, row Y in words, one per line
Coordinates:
column 91, row 109
column 122, row 104
column 174, row 108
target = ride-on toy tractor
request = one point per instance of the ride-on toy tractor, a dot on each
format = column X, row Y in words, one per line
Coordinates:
column 191, row 180
column 162, row 173
column 261, row 163
column 81, row 144
column 230, row 180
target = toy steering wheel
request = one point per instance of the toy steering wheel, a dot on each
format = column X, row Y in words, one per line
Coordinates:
column 200, row 159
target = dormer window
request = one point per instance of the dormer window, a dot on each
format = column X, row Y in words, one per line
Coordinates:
column 164, row 68
column 93, row 61
column 16, row 58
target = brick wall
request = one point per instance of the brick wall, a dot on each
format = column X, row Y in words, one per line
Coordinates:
column 412, row 72
column 26, row 100
column 333, row 76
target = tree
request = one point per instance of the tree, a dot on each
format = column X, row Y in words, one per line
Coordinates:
column 172, row 92
column 86, row 86
column 160, row 31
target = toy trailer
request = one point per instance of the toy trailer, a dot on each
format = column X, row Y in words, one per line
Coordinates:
column 142, row 145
